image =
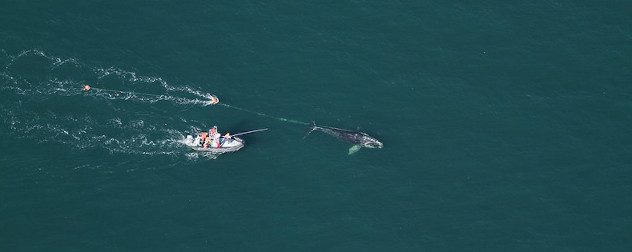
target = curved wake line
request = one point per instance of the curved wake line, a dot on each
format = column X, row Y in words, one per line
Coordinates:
column 66, row 77
column 265, row 115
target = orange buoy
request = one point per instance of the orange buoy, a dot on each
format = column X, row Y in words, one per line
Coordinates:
column 214, row 100
column 86, row 87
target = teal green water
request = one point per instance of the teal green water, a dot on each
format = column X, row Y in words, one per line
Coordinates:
column 506, row 126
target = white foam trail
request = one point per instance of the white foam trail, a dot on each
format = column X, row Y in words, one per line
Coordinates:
column 69, row 87
column 21, row 112
column 130, row 137
column 134, row 78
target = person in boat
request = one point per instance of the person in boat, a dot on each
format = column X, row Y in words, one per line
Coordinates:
column 213, row 131
column 226, row 138
column 203, row 138
column 207, row 141
column 214, row 137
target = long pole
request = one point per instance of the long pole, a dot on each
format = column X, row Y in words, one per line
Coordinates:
column 248, row 132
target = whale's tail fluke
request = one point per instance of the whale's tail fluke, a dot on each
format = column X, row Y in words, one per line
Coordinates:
column 311, row 129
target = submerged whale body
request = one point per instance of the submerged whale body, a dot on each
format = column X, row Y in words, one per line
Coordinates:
column 357, row 138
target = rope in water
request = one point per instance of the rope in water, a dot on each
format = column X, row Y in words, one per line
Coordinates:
column 265, row 115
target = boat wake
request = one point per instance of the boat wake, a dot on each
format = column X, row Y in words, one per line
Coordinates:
column 33, row 72
column 42, row 102
column 86, row 132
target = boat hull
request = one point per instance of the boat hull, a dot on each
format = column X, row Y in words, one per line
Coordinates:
column 227, row 146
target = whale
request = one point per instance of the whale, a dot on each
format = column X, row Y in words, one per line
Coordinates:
column 357, row 138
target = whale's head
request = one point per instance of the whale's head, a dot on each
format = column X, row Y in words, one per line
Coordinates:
column 370, row 142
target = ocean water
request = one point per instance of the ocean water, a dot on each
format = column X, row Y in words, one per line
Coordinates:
column 506, row 125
